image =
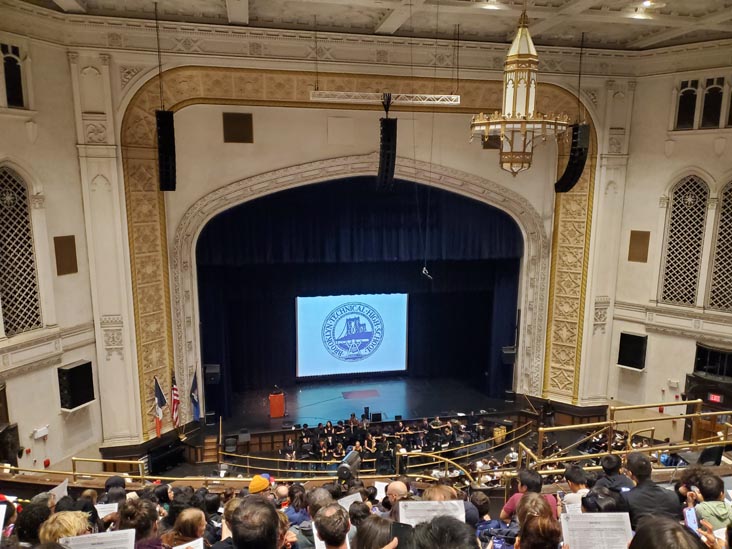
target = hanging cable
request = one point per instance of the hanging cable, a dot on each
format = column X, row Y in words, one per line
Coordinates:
column 160, row 58
column 317, row 74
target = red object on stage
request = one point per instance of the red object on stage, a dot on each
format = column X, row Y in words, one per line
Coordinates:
column 276, row 405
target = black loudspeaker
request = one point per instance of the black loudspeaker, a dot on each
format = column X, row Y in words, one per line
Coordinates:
column 9, row 444
column 632, row 351
column 212, row 374
column 367, row 412
column 387, row 154
column 210, row 419
column 166, row 150
column 397, row 418
column 75, row 385
column 508, row 355
column 376, row 417
column 510, row 396
column 577, row 158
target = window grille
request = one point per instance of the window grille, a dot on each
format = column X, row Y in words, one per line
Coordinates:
column 684, row 241
column 19, row 297
column 720, row 290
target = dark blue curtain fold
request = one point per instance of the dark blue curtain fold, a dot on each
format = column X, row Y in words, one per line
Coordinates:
column 344, row 237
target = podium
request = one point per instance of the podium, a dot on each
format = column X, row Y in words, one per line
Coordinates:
column 276, row 405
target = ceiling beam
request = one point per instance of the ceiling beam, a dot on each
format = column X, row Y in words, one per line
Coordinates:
column 398, row 16
column 707, row 21
column 71, row 6
column 238, row 12
column 572, row 8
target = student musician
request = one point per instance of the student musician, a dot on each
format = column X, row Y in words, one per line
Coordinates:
column 370, row 444
column 339, row 452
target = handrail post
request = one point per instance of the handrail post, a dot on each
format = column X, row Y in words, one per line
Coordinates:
column 73, row 468
column 695, row 422
column 141, row 470
column 540, row 443
column 220, row 442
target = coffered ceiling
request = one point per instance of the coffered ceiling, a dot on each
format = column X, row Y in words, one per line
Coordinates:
column 612, row 24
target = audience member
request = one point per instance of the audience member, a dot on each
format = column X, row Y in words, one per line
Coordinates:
column 528, row 481
column 660, row 532
column 190, row 524
column 445, row 532
column 255, row 524
column 230, row 508
column 297, row 510
column 538, row 529
column 333, row 524
column 647, row 498
column 373, row 533
column 713, row 508
column 613, row 479
column 258, row 484
column 64, row 524
column 603, row 500
column 29, row 522
column 141, row 516
column 316, row 498
column 577, row 481
column 358, row 512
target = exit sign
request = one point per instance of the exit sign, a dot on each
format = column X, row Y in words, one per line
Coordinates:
column 712, row 397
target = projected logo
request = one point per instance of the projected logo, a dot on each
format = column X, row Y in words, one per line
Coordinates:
column 352, row 331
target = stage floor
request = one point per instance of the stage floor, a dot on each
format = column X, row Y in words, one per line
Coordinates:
column 316, row 402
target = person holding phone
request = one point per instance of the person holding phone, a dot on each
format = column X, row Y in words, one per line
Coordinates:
column 647, row 498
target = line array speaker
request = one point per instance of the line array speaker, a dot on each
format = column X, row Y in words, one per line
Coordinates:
column 166, row 150
column 577, row 158
column 387, row 154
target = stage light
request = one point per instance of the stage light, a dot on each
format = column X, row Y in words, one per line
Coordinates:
column 349, row 467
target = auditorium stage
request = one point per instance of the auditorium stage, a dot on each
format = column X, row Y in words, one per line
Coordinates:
column 315, row 402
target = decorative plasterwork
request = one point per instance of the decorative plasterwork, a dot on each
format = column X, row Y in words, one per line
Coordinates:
column 112, row 333
column 154, row 325
column 227, row 41
column 570, row 262
column 600, row 319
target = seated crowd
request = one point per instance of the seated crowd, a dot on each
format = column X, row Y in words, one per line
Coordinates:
column 269, row 515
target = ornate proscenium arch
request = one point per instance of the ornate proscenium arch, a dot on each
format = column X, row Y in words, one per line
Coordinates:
column 154, row 321
column 536, row 259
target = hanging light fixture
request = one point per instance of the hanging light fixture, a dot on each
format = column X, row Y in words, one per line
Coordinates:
column 518, row 125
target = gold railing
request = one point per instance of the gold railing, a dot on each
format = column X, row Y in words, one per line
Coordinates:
column 312, row 464
column 74, row 460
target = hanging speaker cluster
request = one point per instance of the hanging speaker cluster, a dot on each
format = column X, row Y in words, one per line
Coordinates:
column 166, row 150
column 577, row 158
column 387, row 154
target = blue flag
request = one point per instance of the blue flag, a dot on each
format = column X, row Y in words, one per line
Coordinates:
column 160, row 403
column 194, row 398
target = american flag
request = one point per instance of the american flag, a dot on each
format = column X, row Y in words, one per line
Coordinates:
column 175, row 399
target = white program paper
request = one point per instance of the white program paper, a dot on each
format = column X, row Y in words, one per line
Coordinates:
column 573, row 508
column 104, row 509
column 119, row 539
column 348, row 500
column 61, row 490
column 380, row 490
column 414, row 512
column 195, row 544
column 597, row 530
column 2, row 519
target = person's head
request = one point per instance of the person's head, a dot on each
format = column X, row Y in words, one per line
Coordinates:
column 335, row 490
column 140, row 515
column 711, row 488
column 190, row 523
column 211, row 503
column 89, row 494
column 29, row 522
column 358, row 512
column 575, row 477
column 603, row 500
column 659, row 532
column 116, row 495
column 65, row 524
column 439, row 492
column 639, row 466
column 65, row 503
column 255, row 524
column 396, row 490
column 529, row 481
column 373, row 533
column 532, row 504
column 115, row 481
column 281, row 492
column 164, row 493
column 482, row 502
column 443, row 532
column 333, row 524
column 317, row 498
column 10, row 512
column 47, row 498
column 258, row 484
column 296, row 495
column 611, row 464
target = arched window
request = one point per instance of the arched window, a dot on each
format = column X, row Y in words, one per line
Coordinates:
column 712, row 109
column 686, row 107
column 19, row 297
column 13, row 76
column 720, row 287
column 684, row 241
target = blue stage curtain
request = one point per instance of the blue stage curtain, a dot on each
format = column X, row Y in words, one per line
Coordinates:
column 344, row 237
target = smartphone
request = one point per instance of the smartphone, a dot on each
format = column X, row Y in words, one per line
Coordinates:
column 560, row 495
column 690, row 519
column 404, row 533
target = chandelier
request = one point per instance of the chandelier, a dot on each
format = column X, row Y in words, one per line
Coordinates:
column 518, row 125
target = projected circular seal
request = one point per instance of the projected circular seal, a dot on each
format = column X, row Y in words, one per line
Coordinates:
column 352, row 331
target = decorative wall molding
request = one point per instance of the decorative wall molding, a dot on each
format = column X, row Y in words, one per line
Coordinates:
column 227, row 41
column 111, row 326
column 602, row 303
